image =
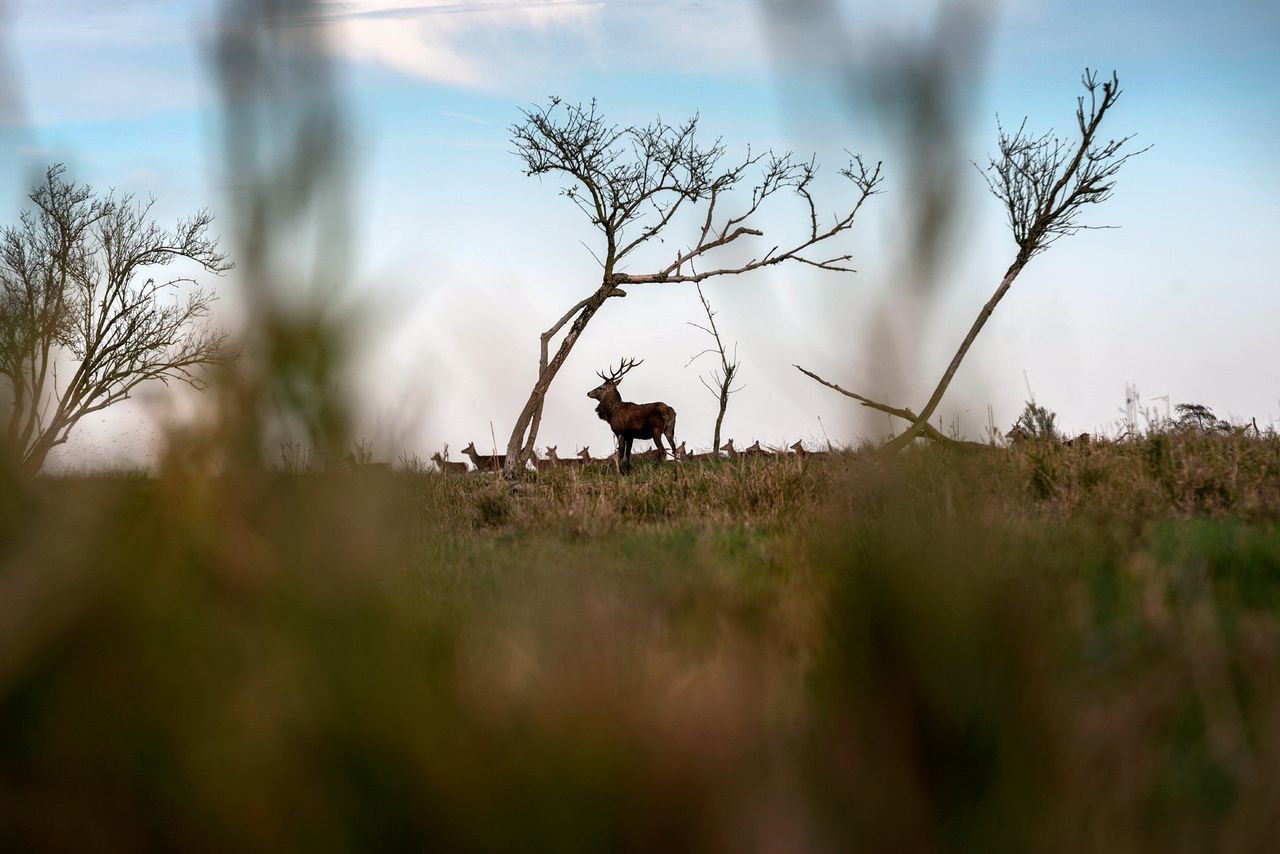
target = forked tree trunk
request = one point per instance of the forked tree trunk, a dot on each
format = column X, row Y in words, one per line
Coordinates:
column 724, row 404
column 525, row 432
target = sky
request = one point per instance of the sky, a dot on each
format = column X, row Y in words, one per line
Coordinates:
column 461, row 261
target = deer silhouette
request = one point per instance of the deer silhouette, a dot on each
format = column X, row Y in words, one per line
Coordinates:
column 753, row 451
column 447, row 467
column 557, row 462
column 631, row 421
column 485, row 462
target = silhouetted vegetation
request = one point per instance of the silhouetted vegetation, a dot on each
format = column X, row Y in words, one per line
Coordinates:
column 78, row 289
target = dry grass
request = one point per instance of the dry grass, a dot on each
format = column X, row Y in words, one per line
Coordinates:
column 1046, row 648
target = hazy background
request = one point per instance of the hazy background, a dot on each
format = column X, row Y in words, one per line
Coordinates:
column 464, row 261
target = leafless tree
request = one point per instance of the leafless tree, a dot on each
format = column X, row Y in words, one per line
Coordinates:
column 1044, row 183
column 631, row 182
column 83, row 322
column 723, row 376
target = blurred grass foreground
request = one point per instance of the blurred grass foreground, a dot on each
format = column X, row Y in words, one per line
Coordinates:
column 1043, row 647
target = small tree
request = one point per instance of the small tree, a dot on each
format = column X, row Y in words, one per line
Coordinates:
column 1197, row 416
column 75, row 292
column 723, row 376
column 631, row 182
column 1037, row 423
column 1044, row 184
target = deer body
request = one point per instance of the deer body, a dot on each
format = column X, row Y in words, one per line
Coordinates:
column 485, row 462
column 753, row 451
column 447, row 467
column 631, row 421
column 556, row 462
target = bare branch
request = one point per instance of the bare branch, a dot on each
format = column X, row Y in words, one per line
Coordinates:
column 928, row 431
column 73, row 282
column 1044, row 184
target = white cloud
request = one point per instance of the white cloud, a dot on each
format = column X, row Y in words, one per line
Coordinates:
column 476, row 44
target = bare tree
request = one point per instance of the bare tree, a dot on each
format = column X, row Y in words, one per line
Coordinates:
column 722, row 376
column 75, row 291
column 631, row 182
column 1044, row 183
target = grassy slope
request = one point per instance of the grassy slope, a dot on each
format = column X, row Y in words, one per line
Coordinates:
column 1045, row 648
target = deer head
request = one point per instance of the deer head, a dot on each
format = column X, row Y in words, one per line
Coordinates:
column 614, row 377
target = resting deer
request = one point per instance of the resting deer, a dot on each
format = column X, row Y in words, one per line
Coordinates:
column 447, row 467
column 558, row 463
column 631, row 421
column 485, row 462
column 588, row 460
column 753, row 451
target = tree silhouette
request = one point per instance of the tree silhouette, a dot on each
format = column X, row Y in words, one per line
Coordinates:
column 1044, row 183
column 83, row 322
column 631, row 182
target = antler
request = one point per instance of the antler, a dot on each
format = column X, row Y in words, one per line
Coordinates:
column 615, row 375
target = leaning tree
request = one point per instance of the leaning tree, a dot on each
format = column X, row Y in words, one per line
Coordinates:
column 631, row 182
column 84, row 320
column 1044, row 182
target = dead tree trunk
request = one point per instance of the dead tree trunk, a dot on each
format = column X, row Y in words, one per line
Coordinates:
column 524, row 434
column 723, row 376
column 1043, row 182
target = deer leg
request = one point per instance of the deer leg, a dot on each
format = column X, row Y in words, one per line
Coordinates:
column 662, row 452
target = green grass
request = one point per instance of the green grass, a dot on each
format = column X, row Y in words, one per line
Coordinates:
column 1045, row 648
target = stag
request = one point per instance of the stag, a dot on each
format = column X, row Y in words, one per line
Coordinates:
column 631, row 421
column 485, row 462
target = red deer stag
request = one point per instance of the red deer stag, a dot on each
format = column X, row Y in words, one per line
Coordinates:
column 631, row 421
column 485, row 462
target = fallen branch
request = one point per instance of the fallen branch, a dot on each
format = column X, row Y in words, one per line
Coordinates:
column 928, row 431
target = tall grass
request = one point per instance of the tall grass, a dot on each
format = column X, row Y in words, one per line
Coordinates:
column 1049, row 648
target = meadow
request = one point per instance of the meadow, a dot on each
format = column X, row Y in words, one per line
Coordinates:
column 1041, row 648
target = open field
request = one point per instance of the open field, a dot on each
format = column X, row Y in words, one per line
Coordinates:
column 1043, row 648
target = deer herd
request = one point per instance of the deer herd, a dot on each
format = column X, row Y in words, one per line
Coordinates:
column 629, row 422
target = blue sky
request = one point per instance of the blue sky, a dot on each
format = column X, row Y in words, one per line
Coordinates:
column 462, row 261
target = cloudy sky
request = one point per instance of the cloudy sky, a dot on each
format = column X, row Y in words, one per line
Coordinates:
column 461, row 260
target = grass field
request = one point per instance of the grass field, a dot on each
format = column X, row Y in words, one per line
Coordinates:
column 1039, row 648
